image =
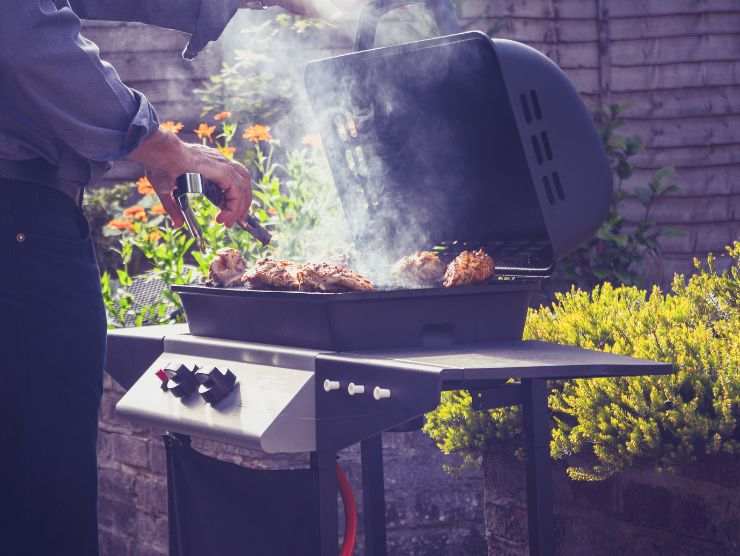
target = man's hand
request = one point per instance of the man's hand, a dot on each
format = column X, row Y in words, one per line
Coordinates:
column 165, row 157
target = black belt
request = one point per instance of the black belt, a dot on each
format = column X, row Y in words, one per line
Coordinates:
column 40, row 172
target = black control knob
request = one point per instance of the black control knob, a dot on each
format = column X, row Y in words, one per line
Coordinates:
column 179, row 379
column 184, row 383
column 215, row 385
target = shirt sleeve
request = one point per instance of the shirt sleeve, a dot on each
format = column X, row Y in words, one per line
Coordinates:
column 60, row 85
column 204, row 20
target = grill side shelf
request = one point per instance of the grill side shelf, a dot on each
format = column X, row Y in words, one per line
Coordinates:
column 411, row 381
column 499, row 361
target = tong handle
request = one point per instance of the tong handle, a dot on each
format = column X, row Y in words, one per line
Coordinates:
column 213, row 193
column 216, row 195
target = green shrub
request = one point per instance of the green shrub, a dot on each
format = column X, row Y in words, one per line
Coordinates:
column 606, row 425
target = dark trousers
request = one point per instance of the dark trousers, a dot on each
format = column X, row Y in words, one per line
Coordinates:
column 52, row 349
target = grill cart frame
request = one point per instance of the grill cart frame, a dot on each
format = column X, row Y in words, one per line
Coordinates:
column 415, row 377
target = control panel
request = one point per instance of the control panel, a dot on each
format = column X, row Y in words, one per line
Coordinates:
column 183, row 381
column 255, row 405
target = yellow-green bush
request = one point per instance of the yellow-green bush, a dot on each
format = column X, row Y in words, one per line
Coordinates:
column 610, row 424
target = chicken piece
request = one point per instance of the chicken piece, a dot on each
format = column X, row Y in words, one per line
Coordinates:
column 273, row 274
column 420, row 269
column 325, row 277
column 227, row 268
column 469, row 267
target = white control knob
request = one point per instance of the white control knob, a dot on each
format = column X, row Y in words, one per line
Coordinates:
column 354, row 389
column 330, row 385
column 381, row 393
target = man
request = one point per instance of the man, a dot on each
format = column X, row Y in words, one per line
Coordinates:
column 64, row 116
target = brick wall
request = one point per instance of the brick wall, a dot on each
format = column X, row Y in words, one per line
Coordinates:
column 695, row 511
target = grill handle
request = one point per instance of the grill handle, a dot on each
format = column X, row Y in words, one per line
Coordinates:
column 443, row 11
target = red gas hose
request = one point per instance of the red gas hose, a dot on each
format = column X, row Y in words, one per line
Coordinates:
column 350, row 513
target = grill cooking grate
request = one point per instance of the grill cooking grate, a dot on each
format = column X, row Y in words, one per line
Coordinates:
column 511, row 258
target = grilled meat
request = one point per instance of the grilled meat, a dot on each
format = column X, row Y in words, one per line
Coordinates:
column 420, row 269
column 469, row 267
column 227, row 268
column 325, row 277
column 273, row 274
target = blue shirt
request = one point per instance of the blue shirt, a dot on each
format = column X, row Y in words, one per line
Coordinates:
column 64, row 108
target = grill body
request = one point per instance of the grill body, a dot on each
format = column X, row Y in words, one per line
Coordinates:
column 349, row 321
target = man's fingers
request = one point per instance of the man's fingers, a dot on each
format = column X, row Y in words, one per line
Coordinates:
column 233, row 194
column 246, row 194
column 235, row 182
column 170, row 205
column 164, row 186
column 233, row 179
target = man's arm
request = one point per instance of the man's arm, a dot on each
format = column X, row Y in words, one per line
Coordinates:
column 56, row 83
column 205, row 20
column 170, row 14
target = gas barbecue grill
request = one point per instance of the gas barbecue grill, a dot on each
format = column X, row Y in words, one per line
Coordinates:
column 457, row 142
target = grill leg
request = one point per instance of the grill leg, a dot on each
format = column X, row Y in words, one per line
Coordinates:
column 324, row 465
column 373, row 495
column 539, row 477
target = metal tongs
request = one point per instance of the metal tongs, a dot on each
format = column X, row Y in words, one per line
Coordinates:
column 194, row 184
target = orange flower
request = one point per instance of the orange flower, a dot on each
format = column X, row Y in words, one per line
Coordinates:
column 272, row 211
column 133, row 210
column 228, row 152
column 171, row 127
column 140, row 216
column 312, row 140
column 257, row 133
column 205, row 131
column 119, row 224
column 145, row 187
column 221, row 116
column 155, row 236
column 158, row 209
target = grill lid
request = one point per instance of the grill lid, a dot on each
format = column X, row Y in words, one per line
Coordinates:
column 461, row 141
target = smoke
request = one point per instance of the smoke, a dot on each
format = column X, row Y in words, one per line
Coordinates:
column 388, row 219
